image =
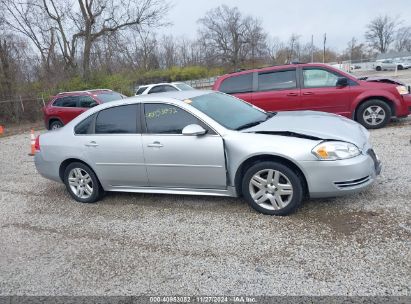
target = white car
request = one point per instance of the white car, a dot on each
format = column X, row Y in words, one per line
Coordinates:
column 390, row 65
column 162, row 87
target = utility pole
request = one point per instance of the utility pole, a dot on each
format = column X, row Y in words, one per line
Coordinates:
column 325, row 40
column 312, row 48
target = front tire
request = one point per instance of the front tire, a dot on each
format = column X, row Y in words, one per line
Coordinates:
column 82, row 183
column 272, row 188
column 400, row 67
column 378, row 68
column 374, row 114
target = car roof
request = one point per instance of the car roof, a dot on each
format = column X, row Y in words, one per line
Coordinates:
column 272, row 67
column 161, row 83
column 178, row 96
column 93, row 91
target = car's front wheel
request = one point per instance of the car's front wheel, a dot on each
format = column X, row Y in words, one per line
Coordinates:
column 374, row 114
column 272, row 188
column 82, row 183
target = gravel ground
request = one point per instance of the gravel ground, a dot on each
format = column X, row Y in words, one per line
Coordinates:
column 136, row 244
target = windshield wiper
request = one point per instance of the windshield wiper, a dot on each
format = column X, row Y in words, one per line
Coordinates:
column 249, row 125
column 270, row 114
column 255, row 123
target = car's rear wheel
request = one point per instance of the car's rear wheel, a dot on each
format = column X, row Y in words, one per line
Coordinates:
column 378, row 68
column 374, row 114
column 82, row 183
column 400, row 67
column 272, row 188
column 57, row 124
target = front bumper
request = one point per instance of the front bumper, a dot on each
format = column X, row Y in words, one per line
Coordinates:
column 336, row 178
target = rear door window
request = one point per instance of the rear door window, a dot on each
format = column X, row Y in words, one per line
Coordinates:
column 66, row 102
column 237, row 84
column 277, row 80
column 117, row 120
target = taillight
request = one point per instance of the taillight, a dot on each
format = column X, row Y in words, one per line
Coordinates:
column 37, row 143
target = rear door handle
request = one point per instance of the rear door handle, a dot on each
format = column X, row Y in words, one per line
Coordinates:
column 292, row 94
column 91, row 144
column 155, row 144
column 308, row 93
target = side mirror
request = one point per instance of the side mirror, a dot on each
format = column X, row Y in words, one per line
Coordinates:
column 342, row 82
column 194, row 130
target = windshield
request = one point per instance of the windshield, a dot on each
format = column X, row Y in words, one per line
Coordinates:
column 229, row 111
column 109, row 96
column 141, row 90
column 183, row 87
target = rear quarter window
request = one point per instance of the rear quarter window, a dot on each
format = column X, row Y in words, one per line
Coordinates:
column 85, row 126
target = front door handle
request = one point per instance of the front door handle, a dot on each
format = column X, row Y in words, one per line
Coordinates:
column 292, row 94
column 308, row 93
column 91, row 144
column 155, row 144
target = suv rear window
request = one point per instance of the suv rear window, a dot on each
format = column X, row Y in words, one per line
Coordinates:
column 237, row 84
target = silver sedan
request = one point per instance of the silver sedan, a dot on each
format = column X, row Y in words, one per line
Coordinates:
column 208, row 143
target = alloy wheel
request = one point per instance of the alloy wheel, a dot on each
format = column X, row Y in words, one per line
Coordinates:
column 80, row 183
column 271, row 189
column 374, row 115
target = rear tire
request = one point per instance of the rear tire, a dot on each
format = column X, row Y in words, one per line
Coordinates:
column 378, row 68
column 400, row 67
column 272, row 188
column 57, row 124
column 82, row 183
column 373, row 114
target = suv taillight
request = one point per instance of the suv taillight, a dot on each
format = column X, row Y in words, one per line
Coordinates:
column 37, row 143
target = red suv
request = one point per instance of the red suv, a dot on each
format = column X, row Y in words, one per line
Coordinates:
column 320, row 87
column 66, row 106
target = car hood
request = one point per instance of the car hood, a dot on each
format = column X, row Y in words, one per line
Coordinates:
column 382, row 80
column 315, row 125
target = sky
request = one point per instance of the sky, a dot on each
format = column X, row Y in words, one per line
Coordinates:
column 340, row 19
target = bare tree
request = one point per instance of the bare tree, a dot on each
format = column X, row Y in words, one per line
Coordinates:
column 168, row 51
column 403, row 39
column 381, row 33
column 293, row 49
column 274, row 48
column 29, row 20
column 229, row 35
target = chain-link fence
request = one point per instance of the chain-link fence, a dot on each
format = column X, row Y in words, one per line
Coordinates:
column 21, row 109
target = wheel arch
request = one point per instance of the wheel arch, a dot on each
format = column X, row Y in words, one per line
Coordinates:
column 242, row 169
column 385, row 99
column 53, row 119
column 68, row 161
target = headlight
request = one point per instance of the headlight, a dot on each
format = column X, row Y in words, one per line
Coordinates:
column 402, row 90
column 333, row 150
